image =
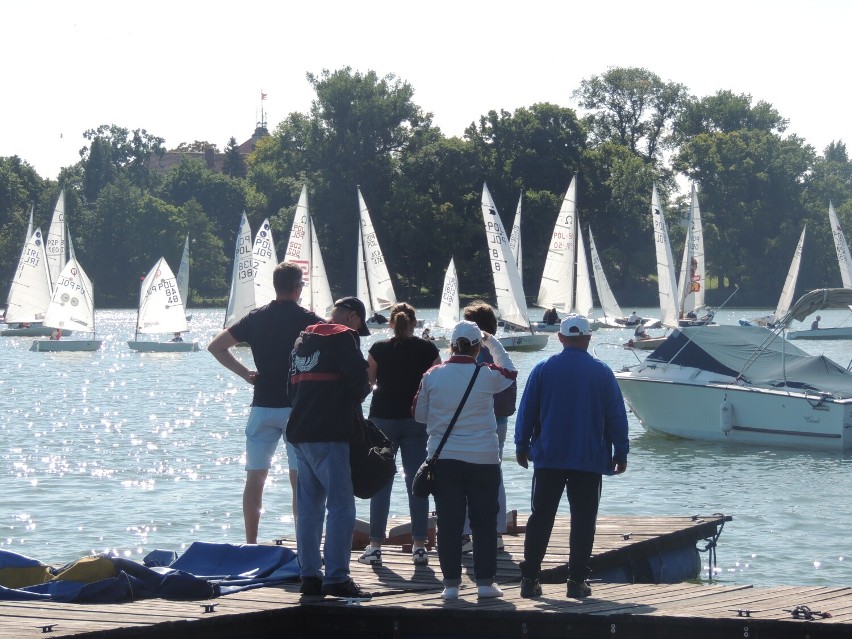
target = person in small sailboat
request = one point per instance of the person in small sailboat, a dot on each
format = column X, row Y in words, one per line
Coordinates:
column 177, row 337
column 56, row 334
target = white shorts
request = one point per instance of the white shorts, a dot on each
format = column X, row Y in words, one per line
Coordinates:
column 265, row 428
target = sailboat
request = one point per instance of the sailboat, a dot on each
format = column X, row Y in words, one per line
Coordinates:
column 666, row 282
column 303, row 249
column 613, row 316
column 692, row 275
column 844, row 261
column 161, row 310
column 71, row 307
column 787, row 291
column 183, row 276
column 30, row 292
column 449, row 311
column 565, row 282
column 241, row 295
column 374, row 283
column 265, row 260
column 511, row 304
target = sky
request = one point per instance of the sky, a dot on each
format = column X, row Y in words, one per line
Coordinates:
column 186, row 70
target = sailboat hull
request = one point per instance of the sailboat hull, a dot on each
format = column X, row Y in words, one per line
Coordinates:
column 70, row 346
column 839, row 332
column 32, row 331
column 164, row 347
column 524, row 342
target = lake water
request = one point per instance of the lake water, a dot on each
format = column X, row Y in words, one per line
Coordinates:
column 121, row 452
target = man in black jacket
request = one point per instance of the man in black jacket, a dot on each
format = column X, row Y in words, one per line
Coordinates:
column 328, row 382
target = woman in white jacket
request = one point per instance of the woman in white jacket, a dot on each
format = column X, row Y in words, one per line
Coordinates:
column 467, row 474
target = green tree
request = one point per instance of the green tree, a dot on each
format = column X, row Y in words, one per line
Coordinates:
column 632, row 107
column 234, row 164
column 198, row 146
column 751, row 185
column 119, row 151
column 223, row 198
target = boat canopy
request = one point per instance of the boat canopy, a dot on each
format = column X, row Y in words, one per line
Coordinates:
column 818, row 300
column 755, row 355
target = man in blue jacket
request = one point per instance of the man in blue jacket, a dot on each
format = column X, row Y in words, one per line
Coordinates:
column 572, row 425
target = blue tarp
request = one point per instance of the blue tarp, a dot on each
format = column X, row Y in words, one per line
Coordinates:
column 204, row 571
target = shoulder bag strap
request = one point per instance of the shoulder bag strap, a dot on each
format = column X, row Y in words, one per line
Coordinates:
column 456, row 416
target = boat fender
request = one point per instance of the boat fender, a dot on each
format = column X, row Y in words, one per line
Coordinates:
column 726, row 416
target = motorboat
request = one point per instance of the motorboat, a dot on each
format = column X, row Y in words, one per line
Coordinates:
column 745, row 385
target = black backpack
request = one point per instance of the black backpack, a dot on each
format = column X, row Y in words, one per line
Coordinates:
column 371, row 458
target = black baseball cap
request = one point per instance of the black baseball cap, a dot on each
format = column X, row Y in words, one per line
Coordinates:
column 354, row 304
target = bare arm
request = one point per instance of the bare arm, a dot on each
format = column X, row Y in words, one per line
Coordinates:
column 220, row 348
column 372, row 370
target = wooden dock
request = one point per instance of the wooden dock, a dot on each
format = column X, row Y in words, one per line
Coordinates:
column 407, row 603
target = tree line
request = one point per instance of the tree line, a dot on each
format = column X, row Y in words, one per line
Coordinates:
column 758, row 186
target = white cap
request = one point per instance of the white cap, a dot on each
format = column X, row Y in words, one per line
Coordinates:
column 468, row 330
column 574, row 326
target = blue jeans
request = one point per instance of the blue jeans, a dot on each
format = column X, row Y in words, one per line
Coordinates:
column 464, row 487
column 325, row 482
column 502, row 427
column 408, row 437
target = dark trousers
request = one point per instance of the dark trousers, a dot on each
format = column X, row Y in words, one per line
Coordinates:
column 460, row 488
column 584, row 495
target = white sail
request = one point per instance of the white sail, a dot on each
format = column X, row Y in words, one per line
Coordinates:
column 161, row 309
column 515, row 239
column 321, row 300
column 507, row 280
column 26, row 239
column 55, row 248
column 379, row 294
column 789, row 288
column 692, row 277
column 265, row 261
column 183, row 273
column 72, row 304
column 844, row 260
column 241, row 297
column 557, row 280
column 30, row 226
column 29, row 295
column 362, row 287
column 584, row 302
column 607, row 299
column 665, row 267
column 448, row 312
column 303, row 249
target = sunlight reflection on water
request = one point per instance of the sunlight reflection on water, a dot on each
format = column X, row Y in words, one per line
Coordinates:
column 124, row 452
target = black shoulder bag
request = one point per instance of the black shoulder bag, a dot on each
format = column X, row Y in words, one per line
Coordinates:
column 423, row 484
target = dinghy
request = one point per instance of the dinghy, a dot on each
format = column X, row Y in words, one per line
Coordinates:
column 71, row 307
column 161, row 310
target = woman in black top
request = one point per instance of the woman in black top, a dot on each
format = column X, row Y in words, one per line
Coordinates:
column 395, row 368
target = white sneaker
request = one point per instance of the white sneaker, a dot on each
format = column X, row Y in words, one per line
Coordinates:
column 500, row 544
column 371, row 556
column 450, row 593
column 467, row 544
column 420, row 557
column 486, row 592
